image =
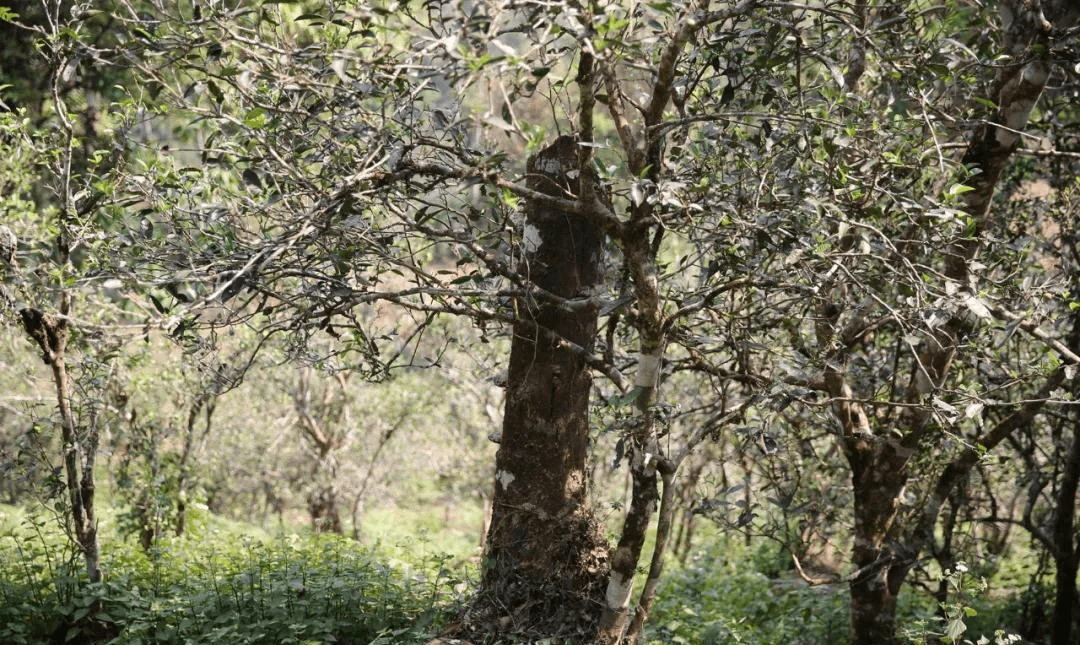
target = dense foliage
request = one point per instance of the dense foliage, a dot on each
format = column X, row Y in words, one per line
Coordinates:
column 807, row 271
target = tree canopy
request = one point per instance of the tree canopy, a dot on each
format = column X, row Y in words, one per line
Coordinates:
column 835, row 237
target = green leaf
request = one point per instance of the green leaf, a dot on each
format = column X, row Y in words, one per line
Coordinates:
column 954, row 630
column 619, row 400
column 958, row 189
column 727, row 95
column 215, row 91
column 255, row 118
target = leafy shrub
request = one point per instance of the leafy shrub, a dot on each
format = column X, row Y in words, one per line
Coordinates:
column 711, row 601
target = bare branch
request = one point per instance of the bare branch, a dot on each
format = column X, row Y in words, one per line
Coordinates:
column 1001, row 313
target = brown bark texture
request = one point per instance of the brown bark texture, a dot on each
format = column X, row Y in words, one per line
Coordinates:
column 1063, row 534
column 1066, row 561
column 546, row 558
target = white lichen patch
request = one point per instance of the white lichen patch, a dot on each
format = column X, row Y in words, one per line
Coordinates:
column 504, row 478
column 530, row 238
column 618, row 591
column 648, row 370
column 550, row 166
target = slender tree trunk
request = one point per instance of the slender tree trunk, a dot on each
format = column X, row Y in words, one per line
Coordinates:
column 944, row 554
column 357, row 517
column 546, row 558
column 656, row 564
column 643, row 503
column 1065, row 556
column 51, row 335
column 684, row 538
column 322, row 498
column 318, row 421
column 204, row 404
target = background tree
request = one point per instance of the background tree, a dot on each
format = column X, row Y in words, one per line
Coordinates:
column 158, row 446
column 323, row 420
column 1048, row 449
column 49, row 242
column 897, row 315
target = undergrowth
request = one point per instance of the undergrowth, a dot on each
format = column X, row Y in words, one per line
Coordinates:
column 218, row 588
column 714, row 600
column 725, row 595
column 223, row 584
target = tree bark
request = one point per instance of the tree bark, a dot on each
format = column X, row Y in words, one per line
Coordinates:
column 51, row 335
column 203, row 404
column 323, row 508
column 318, row 421
column 547, row 558
column 1066, row 561
column 877, row 483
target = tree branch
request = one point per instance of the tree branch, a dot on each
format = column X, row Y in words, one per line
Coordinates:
column 959, row 468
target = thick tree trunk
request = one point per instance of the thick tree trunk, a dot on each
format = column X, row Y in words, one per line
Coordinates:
column 873, row 609
column 878, row 474
column 547, row 558
column 323, row 508
column 876, row 486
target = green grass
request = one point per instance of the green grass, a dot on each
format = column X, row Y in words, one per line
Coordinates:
column 429, row 531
